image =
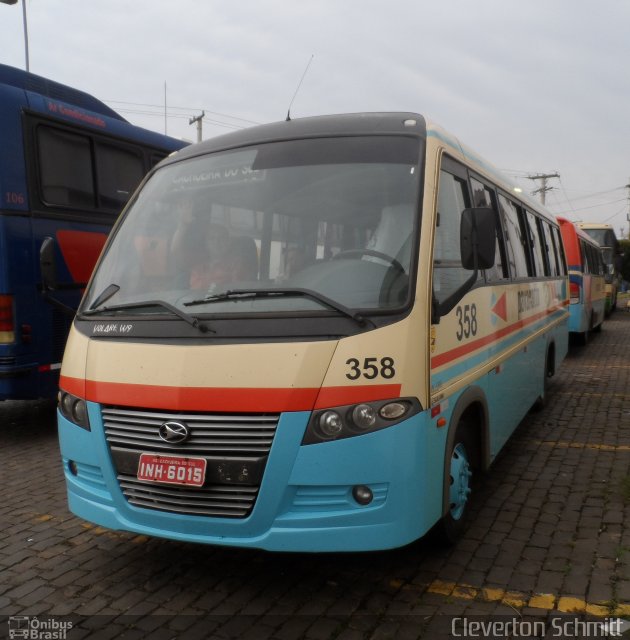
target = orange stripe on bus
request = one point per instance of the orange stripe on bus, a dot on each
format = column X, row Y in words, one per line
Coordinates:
column 246, row 400
column 337, row 396
column 465, row 349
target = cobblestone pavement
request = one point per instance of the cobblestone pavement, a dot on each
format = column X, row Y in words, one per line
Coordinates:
column 550, row 533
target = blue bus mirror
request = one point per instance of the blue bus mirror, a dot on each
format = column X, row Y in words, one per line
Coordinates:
column 48, row 265
column 477, row 237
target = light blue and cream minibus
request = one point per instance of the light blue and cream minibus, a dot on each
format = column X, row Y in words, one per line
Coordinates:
column 310, row 336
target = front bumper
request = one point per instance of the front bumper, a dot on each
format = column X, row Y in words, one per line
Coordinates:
column 305, row 499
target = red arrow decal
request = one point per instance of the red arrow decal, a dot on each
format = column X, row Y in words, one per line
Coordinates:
column 500, row 308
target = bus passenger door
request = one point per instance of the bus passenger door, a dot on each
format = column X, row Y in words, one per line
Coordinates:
column 458, row 349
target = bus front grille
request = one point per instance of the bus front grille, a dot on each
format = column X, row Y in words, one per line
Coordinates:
column 219, row 501
column 235, row 447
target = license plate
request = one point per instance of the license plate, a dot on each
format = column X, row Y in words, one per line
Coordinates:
column 172, row 470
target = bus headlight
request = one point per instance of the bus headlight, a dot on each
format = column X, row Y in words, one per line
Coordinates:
column 330, row 424
column 74, row 409
column 357, row 419
column 364, row 416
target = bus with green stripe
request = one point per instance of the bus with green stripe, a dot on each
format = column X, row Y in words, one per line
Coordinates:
column 310, row 336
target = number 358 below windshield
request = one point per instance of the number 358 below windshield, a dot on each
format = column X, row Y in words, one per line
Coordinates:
column 333, row 217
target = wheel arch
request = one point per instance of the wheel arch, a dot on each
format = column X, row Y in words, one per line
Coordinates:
column 471, row 406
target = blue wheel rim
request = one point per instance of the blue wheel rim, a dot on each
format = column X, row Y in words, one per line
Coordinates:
column 460, row 481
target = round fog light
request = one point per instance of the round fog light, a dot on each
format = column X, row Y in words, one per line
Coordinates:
column 72, row 467
column 362, row 494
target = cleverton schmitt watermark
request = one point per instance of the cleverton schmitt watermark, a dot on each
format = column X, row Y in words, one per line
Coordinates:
column 32, row 628
column 560, row 627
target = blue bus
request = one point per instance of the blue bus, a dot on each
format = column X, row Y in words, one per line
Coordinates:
column 68, row 164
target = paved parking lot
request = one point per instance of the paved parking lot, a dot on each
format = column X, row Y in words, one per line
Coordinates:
column 550, row 534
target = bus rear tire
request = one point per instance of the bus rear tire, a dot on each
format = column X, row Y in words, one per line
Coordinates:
column 549, row 371
column 454, row 522
column 582, row 338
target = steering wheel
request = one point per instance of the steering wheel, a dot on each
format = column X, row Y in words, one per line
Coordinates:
column 357, row 253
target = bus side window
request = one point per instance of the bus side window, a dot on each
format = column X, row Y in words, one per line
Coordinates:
column 550, row 249
column 484, row 196
column 516, row 244
column 448, row 272
column 66, row 170
column 595, row 260
column 584, row 257
column 118, row 172
column 536, row 246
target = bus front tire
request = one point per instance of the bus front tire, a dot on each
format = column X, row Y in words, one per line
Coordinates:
column 459, row 487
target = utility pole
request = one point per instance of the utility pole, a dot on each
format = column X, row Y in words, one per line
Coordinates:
column 544, row 188
column 628, row 214
column 25, row 27
column 165, row 124
column 198, row 120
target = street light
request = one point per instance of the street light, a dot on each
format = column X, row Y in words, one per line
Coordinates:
column 25, row 27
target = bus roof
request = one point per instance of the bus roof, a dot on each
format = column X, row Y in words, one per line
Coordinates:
column 571, row 232
column 353, row 124
column 594, row 225
column 55, row 90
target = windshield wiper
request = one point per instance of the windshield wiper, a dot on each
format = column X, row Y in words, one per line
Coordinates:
column 191, row 320
column 106, row 294
column 244, row 294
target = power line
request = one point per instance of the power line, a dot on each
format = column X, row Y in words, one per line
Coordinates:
column 187, row 109
column 593, row 194
column 614, row 215
column 181, row 116
column 564, row 192
column 588, row 194
column 601, row 204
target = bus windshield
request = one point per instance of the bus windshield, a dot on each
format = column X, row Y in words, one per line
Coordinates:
column 304, row 223
column 604, row 237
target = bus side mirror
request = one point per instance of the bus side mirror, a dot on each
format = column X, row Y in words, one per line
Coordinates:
column 477, row 238
column 48, row 265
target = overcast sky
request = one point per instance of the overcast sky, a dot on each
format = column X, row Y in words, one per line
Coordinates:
column 535, row 87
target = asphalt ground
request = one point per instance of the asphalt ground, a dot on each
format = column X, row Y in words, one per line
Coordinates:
column 549, row 541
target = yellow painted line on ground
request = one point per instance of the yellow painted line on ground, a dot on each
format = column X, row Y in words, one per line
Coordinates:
column 597, row 366
column 580, row 445
column 491, row 594
column 92, row 528
column 519, row 600
column 514, row 599
column 45, row 517
column 542, row 601
column 605, row 394
column 118, row 535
